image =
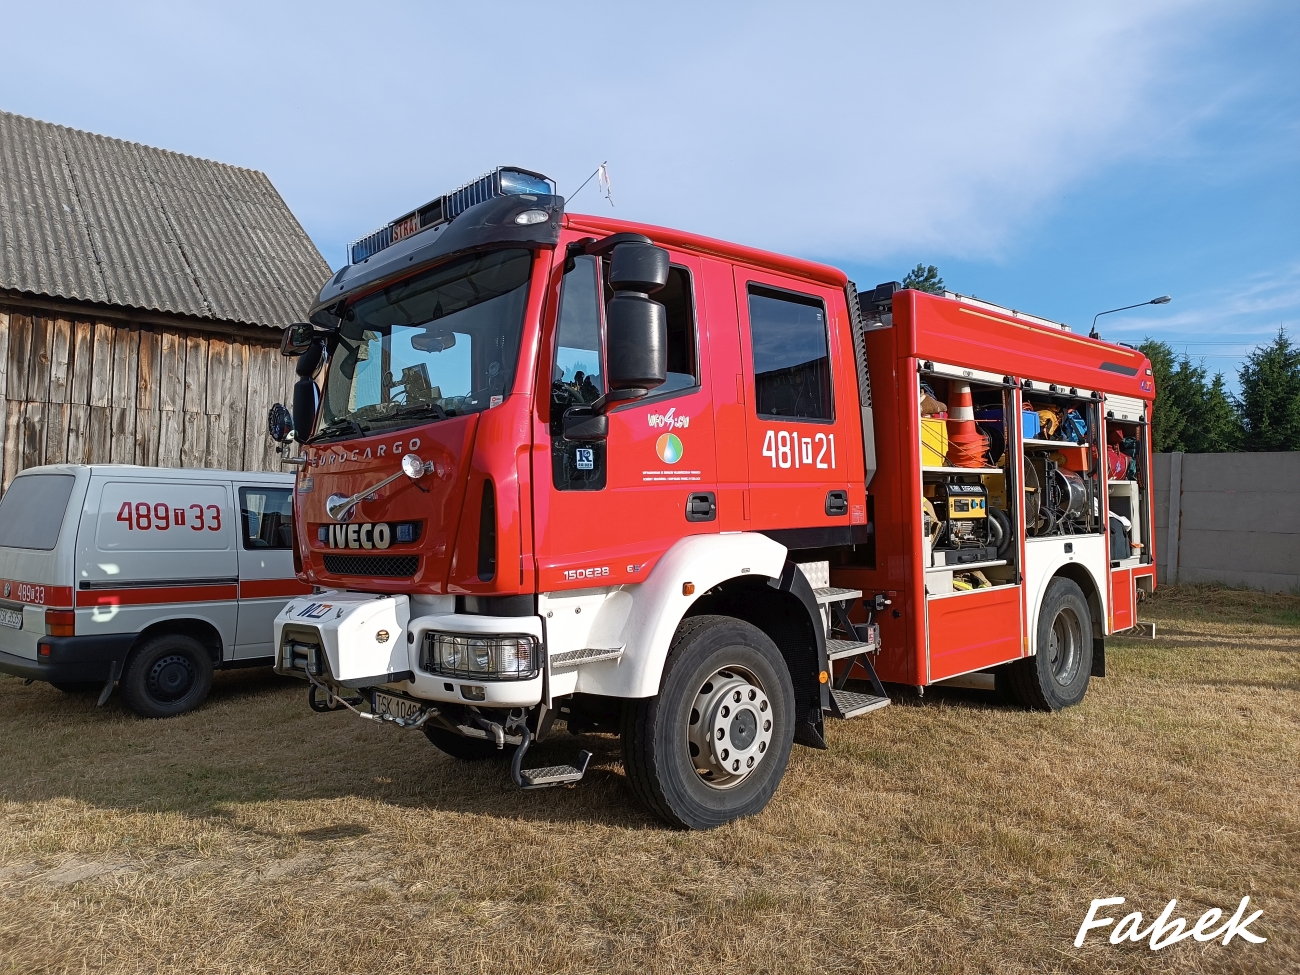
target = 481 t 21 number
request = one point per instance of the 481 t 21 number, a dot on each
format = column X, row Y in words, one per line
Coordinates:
column 789, row 449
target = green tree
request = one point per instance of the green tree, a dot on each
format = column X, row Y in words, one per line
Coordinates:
column 1270, row 396
column 1190, row 414
column 924, row 278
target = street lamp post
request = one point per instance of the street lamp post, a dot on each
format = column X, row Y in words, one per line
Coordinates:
column 1162, row 300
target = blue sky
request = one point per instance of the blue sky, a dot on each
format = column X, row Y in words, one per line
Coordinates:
column 1060, row 159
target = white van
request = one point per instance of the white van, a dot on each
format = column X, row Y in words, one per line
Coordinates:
column 142, row 576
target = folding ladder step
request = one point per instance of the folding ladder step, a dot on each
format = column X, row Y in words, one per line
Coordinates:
column 572, row 658
column 830, row 594
column 850, row 704
column 839, row 649
column 540, row 778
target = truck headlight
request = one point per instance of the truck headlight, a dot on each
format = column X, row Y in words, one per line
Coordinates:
column 487, row 657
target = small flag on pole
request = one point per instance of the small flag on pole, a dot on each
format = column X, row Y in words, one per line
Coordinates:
column 602, row 180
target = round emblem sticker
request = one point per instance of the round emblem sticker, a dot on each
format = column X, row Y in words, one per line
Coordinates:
column 669, row 448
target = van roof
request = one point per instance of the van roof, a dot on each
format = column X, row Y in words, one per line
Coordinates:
column 161, row 473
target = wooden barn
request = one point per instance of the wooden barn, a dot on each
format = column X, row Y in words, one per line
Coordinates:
column 142, row 297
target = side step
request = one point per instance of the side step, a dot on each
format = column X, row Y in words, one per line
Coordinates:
column 839, row 649
column 540, row 778
column 829, row 594
column 850, row 704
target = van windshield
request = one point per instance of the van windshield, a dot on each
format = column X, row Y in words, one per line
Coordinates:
column 31, row 511
column 442, row 343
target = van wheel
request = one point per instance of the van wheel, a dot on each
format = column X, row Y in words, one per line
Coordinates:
column 713, row 745
column 466, row 749
column 1057, row 675
column 77, row 686
column 168, row 675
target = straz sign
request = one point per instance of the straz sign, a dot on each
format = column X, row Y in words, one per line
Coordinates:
column 404, row 228
column 360, row 535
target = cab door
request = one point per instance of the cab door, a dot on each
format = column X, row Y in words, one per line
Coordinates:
column 796, row 439
column 607, row 510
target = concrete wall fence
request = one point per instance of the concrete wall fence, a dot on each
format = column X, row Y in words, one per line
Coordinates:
column 1232, row 519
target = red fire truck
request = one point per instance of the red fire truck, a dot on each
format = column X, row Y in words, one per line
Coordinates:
column 689, row 492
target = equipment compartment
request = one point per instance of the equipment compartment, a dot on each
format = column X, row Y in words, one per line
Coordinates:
column 969, row 525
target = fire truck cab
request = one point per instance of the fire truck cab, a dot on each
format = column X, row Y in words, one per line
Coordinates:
column 693, row 493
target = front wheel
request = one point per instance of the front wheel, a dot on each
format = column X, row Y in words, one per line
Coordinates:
column 1057, row 675
column 713, row 745
column 166, row 676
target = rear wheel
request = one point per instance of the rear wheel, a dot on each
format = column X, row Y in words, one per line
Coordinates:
column 713, row 745
column 1057, row 675
column 466, row 749
column 166, row 676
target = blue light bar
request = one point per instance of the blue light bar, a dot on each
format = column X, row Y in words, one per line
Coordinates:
column 502, row 181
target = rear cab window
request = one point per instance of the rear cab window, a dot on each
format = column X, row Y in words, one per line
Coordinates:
column 32, row 510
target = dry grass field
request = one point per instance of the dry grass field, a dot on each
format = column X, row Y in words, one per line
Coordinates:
column 949, row 834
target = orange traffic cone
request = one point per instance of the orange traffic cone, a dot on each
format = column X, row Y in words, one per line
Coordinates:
column 966, row 445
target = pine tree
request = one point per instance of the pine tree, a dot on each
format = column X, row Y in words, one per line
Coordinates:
column 924, row 278
column 1270, row 396
column 1190, row 414
column 1168, row 421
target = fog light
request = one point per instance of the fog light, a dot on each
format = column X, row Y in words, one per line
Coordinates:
column 513, row 657
column 473, row 692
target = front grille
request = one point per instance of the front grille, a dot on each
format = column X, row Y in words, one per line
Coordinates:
column 372, row 565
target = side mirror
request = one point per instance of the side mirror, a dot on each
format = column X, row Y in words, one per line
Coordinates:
column 305, row 394
column 638, row 267
column 279, row 423
column 585, row 426
column 637, row 326
column 297, row 339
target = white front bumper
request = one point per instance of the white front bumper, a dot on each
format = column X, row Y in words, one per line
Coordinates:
column 349, row 625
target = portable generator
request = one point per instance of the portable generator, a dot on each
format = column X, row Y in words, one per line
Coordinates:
column 963, row 511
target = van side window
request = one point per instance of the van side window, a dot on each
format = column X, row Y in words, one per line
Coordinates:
column 267, row 517
column 792, row 364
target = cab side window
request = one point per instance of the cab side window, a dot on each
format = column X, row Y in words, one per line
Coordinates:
column 792, row 363
column 577, row 378
column 267, row 517
column 675, row 296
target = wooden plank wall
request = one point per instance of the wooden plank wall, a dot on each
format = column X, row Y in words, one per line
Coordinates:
column 106, row 391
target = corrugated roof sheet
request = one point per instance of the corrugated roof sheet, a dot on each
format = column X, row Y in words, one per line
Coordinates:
column 87, row 217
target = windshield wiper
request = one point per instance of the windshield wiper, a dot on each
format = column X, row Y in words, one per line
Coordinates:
column 418, row 409
column 339, row 427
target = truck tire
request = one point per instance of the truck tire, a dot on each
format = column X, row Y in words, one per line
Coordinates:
column 166, row 675
column 713, row 744
column 1057, row 675
column 466, row 749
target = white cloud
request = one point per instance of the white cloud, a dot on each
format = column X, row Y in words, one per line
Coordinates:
column 853, row 130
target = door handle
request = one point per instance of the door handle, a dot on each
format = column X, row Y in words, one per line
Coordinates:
column 837, row 503
column 701, row 506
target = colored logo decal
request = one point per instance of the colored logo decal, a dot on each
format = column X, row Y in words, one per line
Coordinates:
column 669, row 448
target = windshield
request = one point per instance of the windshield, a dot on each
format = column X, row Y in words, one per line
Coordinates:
column 443, row 343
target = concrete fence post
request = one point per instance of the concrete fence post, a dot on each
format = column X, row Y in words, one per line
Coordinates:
column 1175, row 516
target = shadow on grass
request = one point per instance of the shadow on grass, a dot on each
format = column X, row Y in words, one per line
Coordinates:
column 255, row 741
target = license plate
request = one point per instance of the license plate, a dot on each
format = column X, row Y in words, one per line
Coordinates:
column 11, row 617
column 398, row 707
